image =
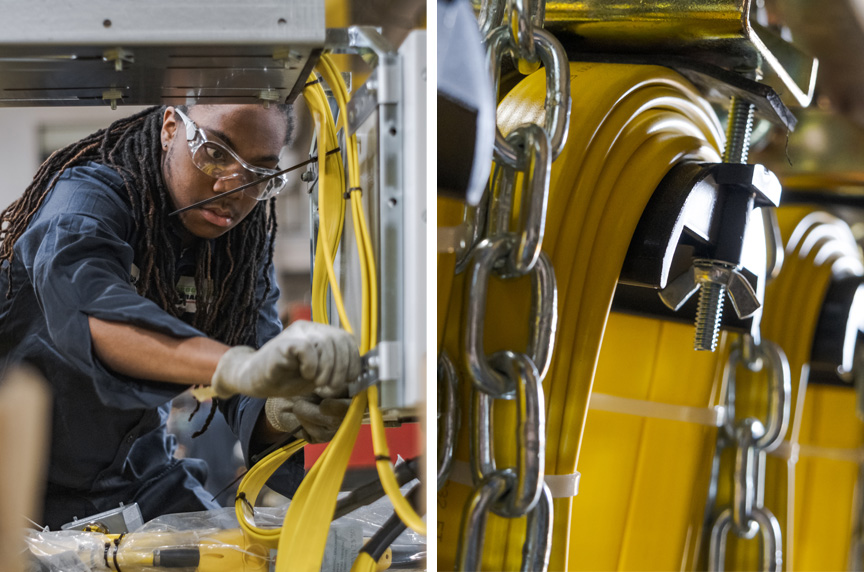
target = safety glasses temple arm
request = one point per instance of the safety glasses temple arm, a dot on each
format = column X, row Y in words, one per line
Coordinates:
column 250, row 184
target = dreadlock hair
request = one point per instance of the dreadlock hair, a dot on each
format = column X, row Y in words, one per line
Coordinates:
column 227, row 267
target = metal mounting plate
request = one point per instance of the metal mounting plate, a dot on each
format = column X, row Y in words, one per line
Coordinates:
column 717, row 32
column 60, row 53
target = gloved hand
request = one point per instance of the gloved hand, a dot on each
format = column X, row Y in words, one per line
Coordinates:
column 319, row 418
column 305, row 357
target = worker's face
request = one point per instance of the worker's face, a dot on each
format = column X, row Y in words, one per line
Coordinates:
column 254, row 132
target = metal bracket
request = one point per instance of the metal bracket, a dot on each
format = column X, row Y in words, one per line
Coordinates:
column 362, row 105
column 383, row 363
column 125, row 518
column 718, row 32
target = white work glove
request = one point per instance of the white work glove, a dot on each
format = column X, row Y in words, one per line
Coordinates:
column 305, row 358
column 317, row 418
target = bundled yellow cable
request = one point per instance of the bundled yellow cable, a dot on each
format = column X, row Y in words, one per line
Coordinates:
column 304, row 531
column 811, row 499
column 302, row 538
column 251, row 486
column 630, row 125
column 379, row 440
column 647, row 448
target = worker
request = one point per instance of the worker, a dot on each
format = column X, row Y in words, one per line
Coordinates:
column 123, row 306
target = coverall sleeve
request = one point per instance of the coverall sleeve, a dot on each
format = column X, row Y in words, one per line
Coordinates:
column 77, row 254
column 242, row 412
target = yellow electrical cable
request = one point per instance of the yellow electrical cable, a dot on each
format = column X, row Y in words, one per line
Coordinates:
column 630, row 125
column 303, row 535
column 251, row 486
column 379, row 439
column 304, row 531
column 364, row 563
column 805, row 497
column 361, row 232
column 328, row 233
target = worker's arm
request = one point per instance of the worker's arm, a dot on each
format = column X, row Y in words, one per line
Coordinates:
column 304, row 358
column 145, row 354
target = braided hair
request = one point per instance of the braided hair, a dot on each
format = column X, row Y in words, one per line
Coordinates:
column 227, row 268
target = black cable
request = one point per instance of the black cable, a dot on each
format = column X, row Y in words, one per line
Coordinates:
column 116, row 548
column 373, row 490
column 394, row 526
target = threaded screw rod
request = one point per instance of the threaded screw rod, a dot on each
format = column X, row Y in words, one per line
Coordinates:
column 708, row 316
column 738, row 131
column 709, row 312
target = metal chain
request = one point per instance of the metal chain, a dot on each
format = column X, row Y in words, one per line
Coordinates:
column 752, row 439
column 448, row 416
column 514, row 28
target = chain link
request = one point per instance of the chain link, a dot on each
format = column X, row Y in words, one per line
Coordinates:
column 557, row 104
column 752, row 439
column 513, row 28
column 530, row 433
column 544, row 302
column 448, row 416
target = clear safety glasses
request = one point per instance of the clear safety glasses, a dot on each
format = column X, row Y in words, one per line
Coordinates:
column 218, row 160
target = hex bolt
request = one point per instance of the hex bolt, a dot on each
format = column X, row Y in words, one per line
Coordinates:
column 711, row 295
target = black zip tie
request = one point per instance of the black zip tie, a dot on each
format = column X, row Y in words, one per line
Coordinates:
column 382, row 458
column 242, row 496
column 255, row 458
column 116, row 548
column 107, row 548
column 194, row 411
column 347, row 194
column 319, row 80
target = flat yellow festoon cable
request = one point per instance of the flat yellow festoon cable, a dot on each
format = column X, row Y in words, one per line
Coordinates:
column 815, row 243
column 816, row 532
column 646, row 478
column 250, row 487
column 379, row 440
column 630, row 125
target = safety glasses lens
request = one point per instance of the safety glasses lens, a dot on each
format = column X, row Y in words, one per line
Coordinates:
column 218, row 162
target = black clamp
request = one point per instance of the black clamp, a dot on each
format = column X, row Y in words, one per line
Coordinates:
column 700, row 211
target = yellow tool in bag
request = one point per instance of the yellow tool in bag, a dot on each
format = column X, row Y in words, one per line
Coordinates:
column 630, row 125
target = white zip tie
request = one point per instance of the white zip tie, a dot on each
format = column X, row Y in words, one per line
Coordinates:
column 794, row 451
column 710, row 416
column 561, row 486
